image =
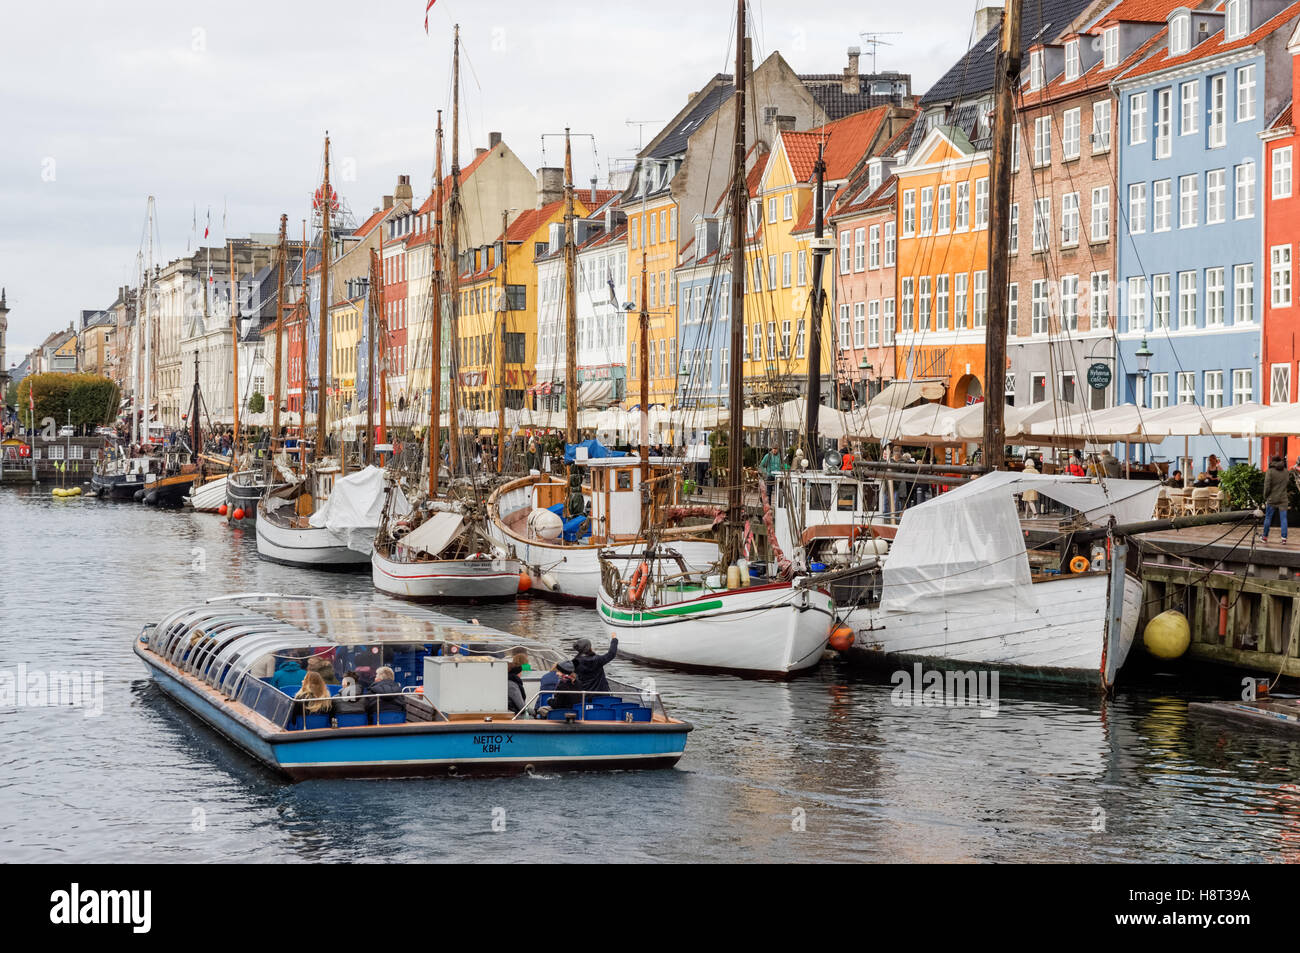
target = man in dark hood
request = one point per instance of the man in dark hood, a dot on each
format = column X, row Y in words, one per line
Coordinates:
column 590, row 667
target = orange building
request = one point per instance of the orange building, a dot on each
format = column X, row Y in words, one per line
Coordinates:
column 942, row 211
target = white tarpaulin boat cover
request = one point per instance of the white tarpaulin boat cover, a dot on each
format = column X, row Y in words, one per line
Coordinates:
column 354, row 508
column 433, row 535
column 964, row 550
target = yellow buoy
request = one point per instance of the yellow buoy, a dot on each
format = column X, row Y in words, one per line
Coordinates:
column 1167, row 635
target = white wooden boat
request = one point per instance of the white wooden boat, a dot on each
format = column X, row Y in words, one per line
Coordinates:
column 207, row 497
column 338, row 532
column 442, row 558
column 957, row 588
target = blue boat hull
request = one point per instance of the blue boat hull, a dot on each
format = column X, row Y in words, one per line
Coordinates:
column 439, row 749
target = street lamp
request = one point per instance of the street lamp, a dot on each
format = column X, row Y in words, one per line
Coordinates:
column 1143, row 355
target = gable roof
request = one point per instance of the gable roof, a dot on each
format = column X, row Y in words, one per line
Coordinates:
column 1213, row 45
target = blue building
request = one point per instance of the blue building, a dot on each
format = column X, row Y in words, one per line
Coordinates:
column 1190, row 192
column 704, row 317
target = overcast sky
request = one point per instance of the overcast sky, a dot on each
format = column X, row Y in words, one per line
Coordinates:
column 224, row 106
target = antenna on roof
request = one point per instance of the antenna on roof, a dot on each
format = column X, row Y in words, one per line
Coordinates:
column 640, row 129
column 873, row 41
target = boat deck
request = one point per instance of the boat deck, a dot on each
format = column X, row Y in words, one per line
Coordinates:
column 1282, row 713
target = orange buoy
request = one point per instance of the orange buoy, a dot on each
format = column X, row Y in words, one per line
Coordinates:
column 1079, row 564
column 223, row 509
column 525, row 582
column 841, row 638
column 238, row 514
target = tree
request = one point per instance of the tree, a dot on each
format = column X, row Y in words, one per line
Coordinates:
column 92, row 400
column 256, row 403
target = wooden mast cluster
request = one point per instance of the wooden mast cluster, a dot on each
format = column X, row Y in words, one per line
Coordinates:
column 323, row 336
column 643, row 360
column 453, row 212
column 813, row 402
column 234, row 337
column 372, row 304
column 735, row 430
column 281, row 269
column 502, row 313
column 435, row 371
column 995, row 351
column 570, row 303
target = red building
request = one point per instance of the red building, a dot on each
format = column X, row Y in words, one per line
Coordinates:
column 1280, row 353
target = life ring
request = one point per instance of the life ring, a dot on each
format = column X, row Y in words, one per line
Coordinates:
column 1079, row 564
column 636, row 588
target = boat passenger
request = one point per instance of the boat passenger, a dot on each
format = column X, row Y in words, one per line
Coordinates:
column 1175, row 478
column 516, row 697
column 562, row 685
column 590, row 667
column 1109, row 464
column 312, row 699
column 324, row 667
column 385, row 684
column 1030, row 497
column 349, row 700
column 288, row 671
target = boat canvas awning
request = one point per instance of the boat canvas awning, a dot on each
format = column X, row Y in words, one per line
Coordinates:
column 354, row 508
column 434, row 534
column 900, row 394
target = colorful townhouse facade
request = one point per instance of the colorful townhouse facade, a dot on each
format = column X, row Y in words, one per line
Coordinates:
column 1192, row 267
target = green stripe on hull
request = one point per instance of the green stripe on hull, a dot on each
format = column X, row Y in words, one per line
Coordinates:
column 689, row 609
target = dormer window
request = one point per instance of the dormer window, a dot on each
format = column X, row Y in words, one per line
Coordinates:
column 1110, row 47
column 1180, row 33
column 701, row 240
column 875, row 173
column 1237, row 22
column 1036, row 70
column 1071, row 61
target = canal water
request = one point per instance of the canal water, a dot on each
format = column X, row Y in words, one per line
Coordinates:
column 823, row 768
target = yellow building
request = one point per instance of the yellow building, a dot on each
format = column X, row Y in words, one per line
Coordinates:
column 652, row 242
column 485, row 292
column 346, row 317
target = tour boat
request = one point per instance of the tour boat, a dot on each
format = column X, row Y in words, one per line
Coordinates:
column 332, row 528
column 959, row 588
column 237, row 661
column 208, row 497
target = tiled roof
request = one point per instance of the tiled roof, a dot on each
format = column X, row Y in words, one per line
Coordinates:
column 1214, row 45
column 973, row 74
column 375, row 218
column 827, row 90
column 1140, row 11
column 1098, row 77
column 846, row 142
column 1284, row 118
column 674, row 142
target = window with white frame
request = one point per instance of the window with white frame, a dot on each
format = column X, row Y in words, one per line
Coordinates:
column 961, row 218
column 1281, row 172
column 1159, row 391
column 1213, row 390
column 1213, row 297
column 981, row 296
column 1071, row 60
column 1013, row 309
column 1037, row 388
column 982, row 202
column 1015, row 148
column 1042, row 223
column 1071, row 133
column 873, row 248
column 927, row 210
column 787, row 206
column 757, row 352
column 1237, row 22
column 960, row 281
column 1279, row 384
column 1245, row 93
column 1038, row 322
column 1243, row 294
column 1100, row 231
column 786, row 259
column 771, row 210
column 1160, row 295
column 1245, row 188
column 1099, row 301
column 945, row 209
column 1243, row 385
column 1186, row 387
column 1035, row 70
column 1070, row 302
column 803, row 267
column 1189, row 200
column 846, row 251
column 909, row 215
column 1280, row 275
column 1216, row 196
column 1137, row 303
column 1042, row 141
column 890, row 245
column 1161, row 205
column 909, row 304
column 873, row 323
column 771, row 272
column 1101, row 126
column 941, row 303
column 1218, row 131
column 924, row 300
column 1137, row 207
column 1164, row 123
column 798, row 340
column 1180, row 34
column 887, row 338
column 1110, row 47
column 1069, row 219
column 859, row 249
column 859, row 324
column 1189, row 101
column 1186, row 299
column 1137, row 119
column 1013, row 229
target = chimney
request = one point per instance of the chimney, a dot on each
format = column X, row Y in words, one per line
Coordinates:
column 494, row 139
column 785, row 123
column 593, row 189
column 986, row 18
column 403, row 191
column 851, row 83
column 550, row 186
column 478, row 151
column 388, row 202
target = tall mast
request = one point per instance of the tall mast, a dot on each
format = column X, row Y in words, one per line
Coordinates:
column 381, row 346
column 234, row 340
column 148, row 318
column 818, row 300
column 301, row 307
column 135, row 358
column 279, row 328
column 643, row 359
column 323, row 335
column 196, row 435
column 570, row 303
column 735, row 430
column 435, row 369
column 501, row 346
column 371, row 302
column 453, row 211
column 995, row 350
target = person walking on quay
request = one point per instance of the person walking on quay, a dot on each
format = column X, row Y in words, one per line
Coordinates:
column 1276, row 495
column 1030, row 497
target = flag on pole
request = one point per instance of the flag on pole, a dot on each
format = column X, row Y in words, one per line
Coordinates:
column 427, row 8
column 208, row 225
column 613, row 295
